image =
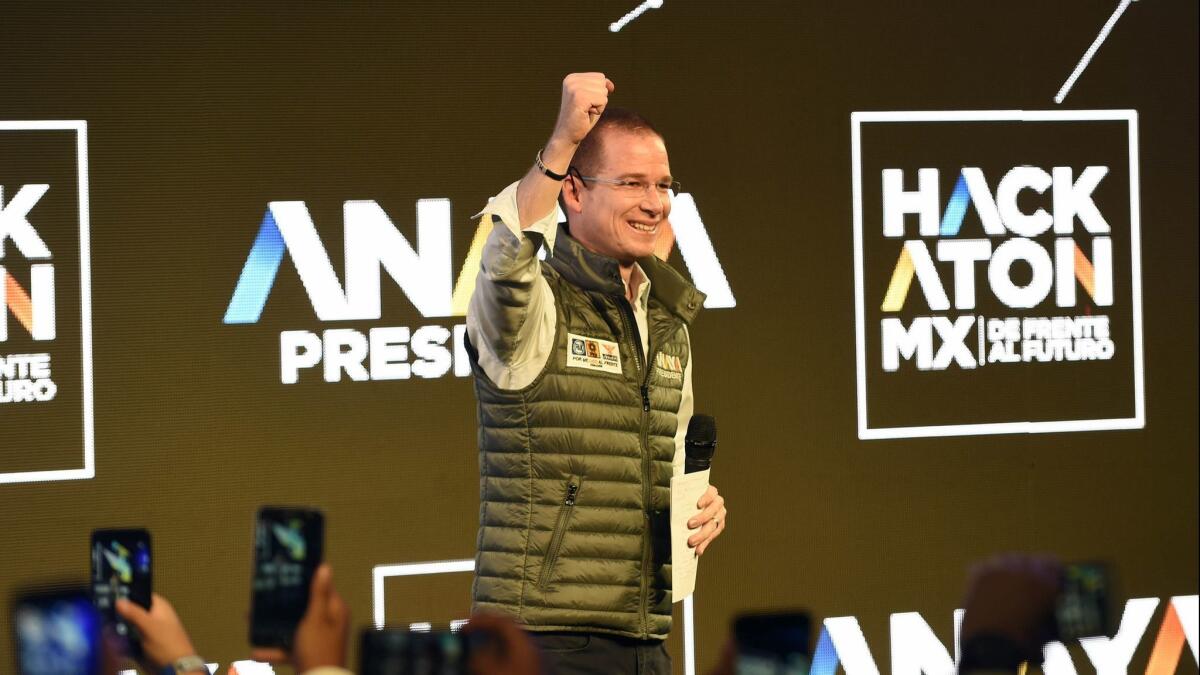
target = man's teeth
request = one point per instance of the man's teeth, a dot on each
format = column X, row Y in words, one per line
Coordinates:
column 644, row 228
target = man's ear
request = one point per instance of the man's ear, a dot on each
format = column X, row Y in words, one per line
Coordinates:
column 570, row 196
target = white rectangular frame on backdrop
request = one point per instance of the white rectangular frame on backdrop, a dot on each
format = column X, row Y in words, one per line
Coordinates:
column 1138, row 421
column 85, row 304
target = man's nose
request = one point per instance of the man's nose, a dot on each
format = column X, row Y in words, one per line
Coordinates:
column 653, row 202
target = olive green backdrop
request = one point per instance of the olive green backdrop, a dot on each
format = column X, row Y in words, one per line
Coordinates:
column 199, row 114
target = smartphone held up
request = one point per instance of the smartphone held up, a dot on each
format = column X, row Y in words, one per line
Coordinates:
column 57, row 630
column 121, row 570
column 288, row 548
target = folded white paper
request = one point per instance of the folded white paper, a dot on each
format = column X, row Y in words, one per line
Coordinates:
column 686, row 490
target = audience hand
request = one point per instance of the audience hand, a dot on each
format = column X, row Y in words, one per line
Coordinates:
column 509, row 652
column 320, row 639
column 1010, row 603
column 164, row 639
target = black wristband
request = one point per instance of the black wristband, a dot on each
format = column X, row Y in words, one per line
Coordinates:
column 541, row 166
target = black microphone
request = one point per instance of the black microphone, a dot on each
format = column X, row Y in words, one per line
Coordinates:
column 700, row 444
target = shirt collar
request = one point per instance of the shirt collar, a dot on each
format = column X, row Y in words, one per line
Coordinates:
column 642, row 282
column 594, row 272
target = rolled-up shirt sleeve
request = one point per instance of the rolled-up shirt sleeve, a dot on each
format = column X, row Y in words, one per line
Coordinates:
column 511, row 316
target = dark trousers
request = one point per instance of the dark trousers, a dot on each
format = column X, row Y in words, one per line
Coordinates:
column 601, row 654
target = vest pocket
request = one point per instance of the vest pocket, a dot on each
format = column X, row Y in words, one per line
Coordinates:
column 570, row 495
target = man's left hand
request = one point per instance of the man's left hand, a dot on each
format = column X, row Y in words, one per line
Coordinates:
column 710, row 520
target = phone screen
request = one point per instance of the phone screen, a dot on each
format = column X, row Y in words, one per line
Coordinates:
column 287, row 551
column 399, row 652
column 772, row 644
column 57, row 633
column 121, row 570
column 1083, row 606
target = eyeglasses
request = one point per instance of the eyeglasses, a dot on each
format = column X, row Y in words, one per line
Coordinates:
column 631, row 186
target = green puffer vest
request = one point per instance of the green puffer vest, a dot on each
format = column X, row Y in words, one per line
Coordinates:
column 575, row 469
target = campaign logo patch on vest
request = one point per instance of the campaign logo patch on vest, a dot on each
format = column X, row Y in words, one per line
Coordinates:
column 668, row 366
column 593, row 354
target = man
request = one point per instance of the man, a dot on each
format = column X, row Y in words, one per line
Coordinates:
column 583, row 375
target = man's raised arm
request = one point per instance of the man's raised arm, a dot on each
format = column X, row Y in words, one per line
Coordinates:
column 584, row 97
column 511, row 318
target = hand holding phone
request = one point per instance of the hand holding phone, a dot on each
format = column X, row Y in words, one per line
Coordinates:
column 497, row 645
column 121, row 570
column 288, row 545
column 164, row 640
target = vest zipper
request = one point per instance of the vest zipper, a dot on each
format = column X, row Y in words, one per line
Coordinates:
column 560, row 529
column 644, row 378
column 634, row 336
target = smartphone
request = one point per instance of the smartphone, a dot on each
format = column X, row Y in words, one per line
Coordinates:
column 57, row 632
column 393, row 651
column 121, row 569
column 288, row 545
column 1084, row 608
column 773, row 644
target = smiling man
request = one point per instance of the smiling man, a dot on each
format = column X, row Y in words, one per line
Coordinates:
column 583, row 371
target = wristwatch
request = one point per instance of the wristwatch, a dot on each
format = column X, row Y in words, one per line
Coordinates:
column 187, row 664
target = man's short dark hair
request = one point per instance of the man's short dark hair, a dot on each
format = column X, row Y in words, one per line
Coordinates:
column 588, row 154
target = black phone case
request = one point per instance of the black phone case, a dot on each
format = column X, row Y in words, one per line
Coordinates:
column 273, row 629
column 142, row 590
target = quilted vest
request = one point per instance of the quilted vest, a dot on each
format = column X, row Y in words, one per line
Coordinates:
column 575, row 468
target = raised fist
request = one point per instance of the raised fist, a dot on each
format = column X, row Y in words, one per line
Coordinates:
column 584, row 97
